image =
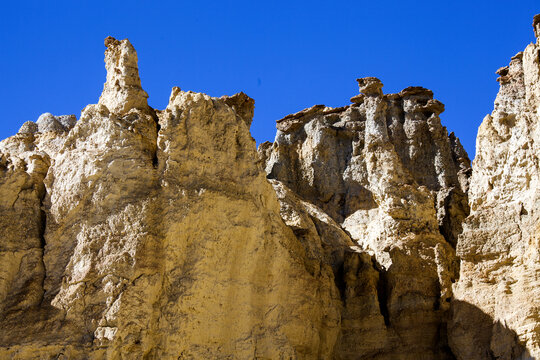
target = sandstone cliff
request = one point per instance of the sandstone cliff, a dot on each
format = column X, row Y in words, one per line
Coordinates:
column 359, row 233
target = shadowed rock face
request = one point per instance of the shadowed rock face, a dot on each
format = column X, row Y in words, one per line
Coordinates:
column 136, row 233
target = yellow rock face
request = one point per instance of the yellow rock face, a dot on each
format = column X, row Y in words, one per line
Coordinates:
column 389, row 175
column 496, row 311
column 154, row 234
column 359, row 233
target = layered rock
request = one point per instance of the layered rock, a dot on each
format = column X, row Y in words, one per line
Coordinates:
column 496, row 311
column 387, row 171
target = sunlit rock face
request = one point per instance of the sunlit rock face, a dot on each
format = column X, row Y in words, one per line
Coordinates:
column 385, row 170
column 137, row 233
column 122, row 90
column 359, row 233
column 496, row 312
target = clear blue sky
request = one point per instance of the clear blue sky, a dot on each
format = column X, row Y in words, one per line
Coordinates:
column 287, row 55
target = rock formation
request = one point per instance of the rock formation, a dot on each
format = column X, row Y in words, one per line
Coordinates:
column 361, row 232
column 154, row 234
column 389, row 174
column 496, row 311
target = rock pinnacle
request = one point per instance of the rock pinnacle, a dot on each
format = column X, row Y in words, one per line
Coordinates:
column 122, row 90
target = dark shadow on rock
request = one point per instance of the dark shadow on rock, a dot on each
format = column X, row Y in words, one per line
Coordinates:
column 473, row 334
column 40, row 325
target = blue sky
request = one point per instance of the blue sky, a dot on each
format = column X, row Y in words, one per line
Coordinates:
column 287, row 55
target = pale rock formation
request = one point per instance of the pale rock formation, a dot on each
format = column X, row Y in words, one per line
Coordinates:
column 387, row 171
column 136, row 233
column 496, row 311
column 122, row 90
column 155, row 234
column 48, row 122
column 28, row 127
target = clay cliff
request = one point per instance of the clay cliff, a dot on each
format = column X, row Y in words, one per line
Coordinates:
column 361, row 232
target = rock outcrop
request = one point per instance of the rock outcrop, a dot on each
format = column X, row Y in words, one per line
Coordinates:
column 361, row 232
column 385, row 170
column 122, row 90
column 496, row 311
column 155, row 234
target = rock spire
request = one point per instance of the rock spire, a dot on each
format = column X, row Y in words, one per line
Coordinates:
column 122, row 90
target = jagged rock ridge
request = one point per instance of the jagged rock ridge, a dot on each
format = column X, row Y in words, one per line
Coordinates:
column 140, row 233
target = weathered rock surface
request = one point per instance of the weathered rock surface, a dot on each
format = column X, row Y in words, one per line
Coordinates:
column 496, row 312
column 122, row 90
column 389, row 174
column 359, row 233
column 155, row 234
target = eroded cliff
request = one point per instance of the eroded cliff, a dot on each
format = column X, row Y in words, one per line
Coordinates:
column 387, row 171
column 496, row 311
column 359, row 233
column 137, row 233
